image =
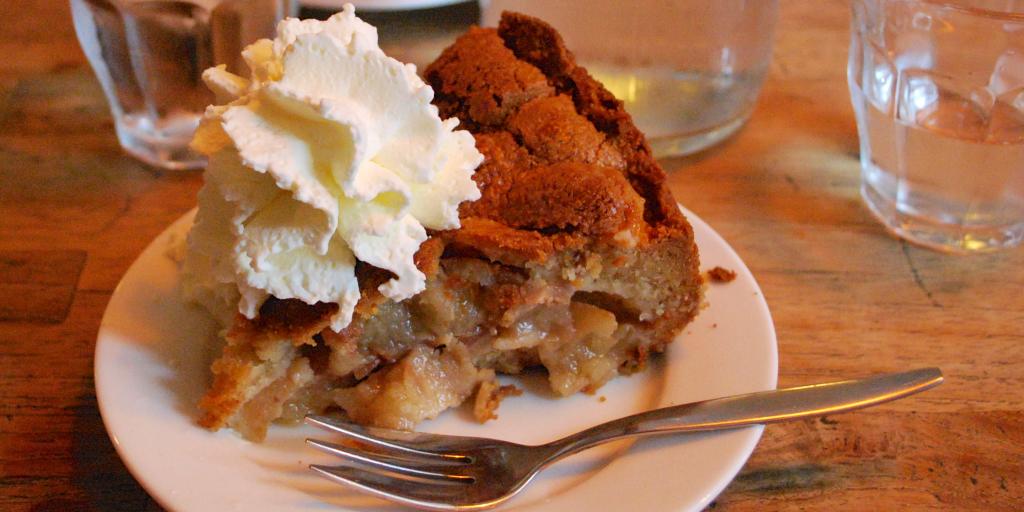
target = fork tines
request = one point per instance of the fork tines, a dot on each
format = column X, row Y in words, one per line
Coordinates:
column 371, row 454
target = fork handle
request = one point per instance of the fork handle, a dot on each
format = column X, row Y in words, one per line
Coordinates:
column 754, row 408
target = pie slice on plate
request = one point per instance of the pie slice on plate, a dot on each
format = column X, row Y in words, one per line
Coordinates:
column 575, row 259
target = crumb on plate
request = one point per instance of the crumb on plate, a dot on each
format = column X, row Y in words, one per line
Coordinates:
column 721, row 275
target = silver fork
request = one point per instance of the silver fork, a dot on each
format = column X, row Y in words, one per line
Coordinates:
column 440, row 472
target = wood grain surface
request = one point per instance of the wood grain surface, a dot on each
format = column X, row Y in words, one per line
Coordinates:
column 848, row 298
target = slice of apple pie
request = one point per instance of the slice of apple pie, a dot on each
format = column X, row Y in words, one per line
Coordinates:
column 575, row 258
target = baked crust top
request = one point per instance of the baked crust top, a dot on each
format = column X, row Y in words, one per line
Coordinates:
column 564, row 164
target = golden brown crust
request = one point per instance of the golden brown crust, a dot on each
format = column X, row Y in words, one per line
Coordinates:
column 497, row 242
column 537, row 43
column 428, row 256
column 577, row 122
column 485, row 81
column 231, row 374
column 243, row 370
column 283, row 319
column 502, row 157
column 573, row 197
column 552, row 131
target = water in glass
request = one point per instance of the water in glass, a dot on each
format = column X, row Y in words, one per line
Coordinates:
column 941, row 123
column 149, row 56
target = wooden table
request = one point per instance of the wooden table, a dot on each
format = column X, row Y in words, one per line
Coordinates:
column 848, row 298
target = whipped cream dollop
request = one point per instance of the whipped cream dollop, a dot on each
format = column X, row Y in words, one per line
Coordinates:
column 329, row 153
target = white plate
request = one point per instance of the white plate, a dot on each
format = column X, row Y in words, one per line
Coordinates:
column 380, row 5
column 152, row 367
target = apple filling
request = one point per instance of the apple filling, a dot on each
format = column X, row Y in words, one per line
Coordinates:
column 408, row 361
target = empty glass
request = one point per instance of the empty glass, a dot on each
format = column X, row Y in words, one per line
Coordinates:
column 938, row 90
column 149, row 56
column 689, row 71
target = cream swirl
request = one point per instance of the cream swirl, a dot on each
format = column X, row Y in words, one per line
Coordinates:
column 330, row 153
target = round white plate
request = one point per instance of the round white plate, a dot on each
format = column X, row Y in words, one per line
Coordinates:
column 152, row 361
column 380, row 5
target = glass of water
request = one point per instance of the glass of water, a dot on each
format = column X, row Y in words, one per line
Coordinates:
column 688, row 71
column 938, row 90
column 149, row 56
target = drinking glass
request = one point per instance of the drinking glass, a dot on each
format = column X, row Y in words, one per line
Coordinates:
column 688, row 71
column 938, row 91
column 149, row 56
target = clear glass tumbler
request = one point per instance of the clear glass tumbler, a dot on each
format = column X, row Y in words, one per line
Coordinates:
column 938, row 90
column 689, row 71
column 149, row 56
